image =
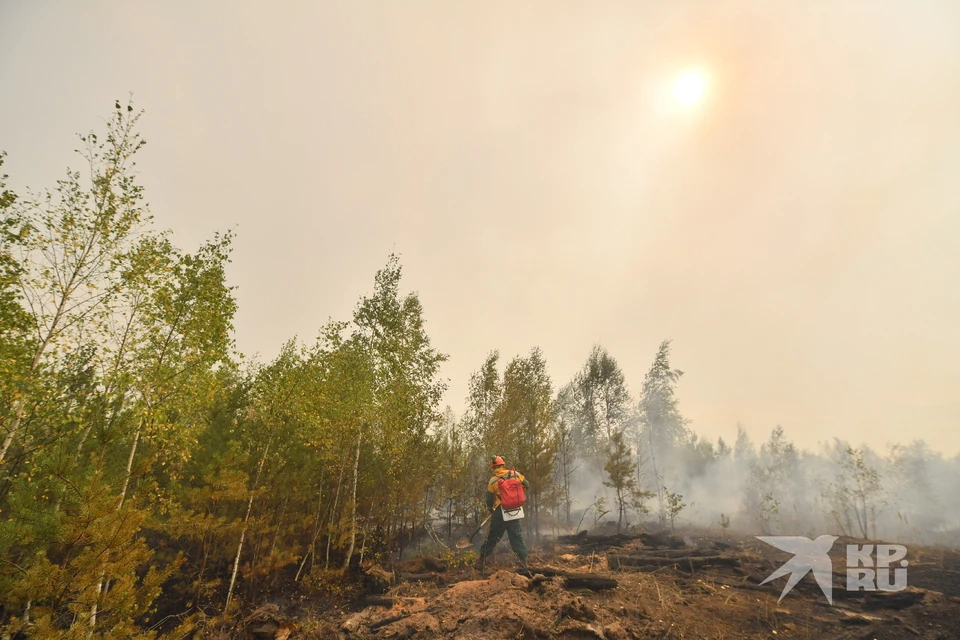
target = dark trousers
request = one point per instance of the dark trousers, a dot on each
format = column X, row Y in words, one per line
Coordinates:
column 497, row 529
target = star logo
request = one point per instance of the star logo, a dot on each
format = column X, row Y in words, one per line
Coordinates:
column 809, row 555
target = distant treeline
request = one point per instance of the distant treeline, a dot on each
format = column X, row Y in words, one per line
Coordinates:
column 151, row 478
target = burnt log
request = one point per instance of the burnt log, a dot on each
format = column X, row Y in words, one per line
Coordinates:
column 685, row 563
column 585, row 541
column 574, row 580
column 573, row 539
column 549, row 572
column 662, row 540
column 594, row 583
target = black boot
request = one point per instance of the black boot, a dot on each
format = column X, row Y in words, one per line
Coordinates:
column 526, row 569
column 479, row 564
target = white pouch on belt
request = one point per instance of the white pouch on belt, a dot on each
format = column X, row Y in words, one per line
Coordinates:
column 512, row 514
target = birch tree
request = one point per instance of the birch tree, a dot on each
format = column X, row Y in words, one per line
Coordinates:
column 74, row 244
column 602, row 402
column 390, row 327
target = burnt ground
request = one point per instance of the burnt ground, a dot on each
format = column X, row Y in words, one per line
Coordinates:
column 706, row 589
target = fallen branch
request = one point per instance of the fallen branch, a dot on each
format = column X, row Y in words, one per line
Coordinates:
column 387, row 621
column 433, row 534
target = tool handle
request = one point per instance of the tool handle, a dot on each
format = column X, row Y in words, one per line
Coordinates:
column 481, row 526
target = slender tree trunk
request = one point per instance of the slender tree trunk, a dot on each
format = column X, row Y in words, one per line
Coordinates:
column 312, row 551
column 363, row 544
column 14, row 427
column 449, row 519
column 535, row 515
column 256, row 547
column 401, row 536
column 656, row 475
column 128, row 329
column 126, row 477
column 333, row 514
column 276, row 534
column 246, row 519
column 203, row 567
column 353, row 508
column 639, row 489
column 236, row 560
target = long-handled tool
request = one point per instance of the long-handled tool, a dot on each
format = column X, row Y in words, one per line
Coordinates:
column 466, row 541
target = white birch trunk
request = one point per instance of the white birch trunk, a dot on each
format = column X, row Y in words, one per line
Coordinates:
column 246, row 518
column 333, row 514
column 353, row 512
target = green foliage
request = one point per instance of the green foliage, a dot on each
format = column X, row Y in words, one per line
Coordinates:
column 459, row 560
column 855, row 492
column 773, row 481
column 567, row 451
column 523, row 430
column 601, row 402
column 665, row 429
column 76, row 413
column 599, row 510
column 457, row 469
column 674, row 505
column 16, row 344
column 484, row 396
column 621, row 469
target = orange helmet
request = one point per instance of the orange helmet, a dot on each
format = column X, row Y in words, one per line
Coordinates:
column 497, row 461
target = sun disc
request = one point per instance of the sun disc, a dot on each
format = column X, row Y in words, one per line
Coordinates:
column 689, row 88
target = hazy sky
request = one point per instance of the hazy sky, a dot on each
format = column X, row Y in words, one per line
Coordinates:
column 796, row 234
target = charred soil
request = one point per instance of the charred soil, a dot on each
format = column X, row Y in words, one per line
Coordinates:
column 618, row 587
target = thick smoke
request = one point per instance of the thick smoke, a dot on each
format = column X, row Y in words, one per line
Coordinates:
column 906, row 493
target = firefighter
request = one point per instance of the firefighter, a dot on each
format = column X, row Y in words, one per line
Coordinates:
column 497, row 523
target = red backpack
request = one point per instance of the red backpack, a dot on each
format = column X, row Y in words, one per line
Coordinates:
column 511, row 491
